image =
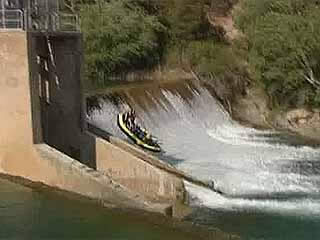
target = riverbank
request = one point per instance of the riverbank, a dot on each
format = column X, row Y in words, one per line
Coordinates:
column 247, row 100
column 253, row 110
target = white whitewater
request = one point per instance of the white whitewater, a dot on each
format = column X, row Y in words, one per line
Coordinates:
column 256, row 169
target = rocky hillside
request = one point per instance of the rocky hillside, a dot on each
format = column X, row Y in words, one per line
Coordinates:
column 262, row 58
column 247, row 96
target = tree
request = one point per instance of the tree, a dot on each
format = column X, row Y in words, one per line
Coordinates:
column 283, row 37
column 118, row 36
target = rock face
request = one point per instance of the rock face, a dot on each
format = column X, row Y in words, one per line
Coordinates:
column 249, row 105
column 302, row 121
column 224, row 25
column 220, row 16
column 252, row 109
column 303, row 118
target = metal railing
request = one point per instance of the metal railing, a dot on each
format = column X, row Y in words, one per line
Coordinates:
column 14, row 19
column 11, row 19
column 54, row 22
column 65, row 22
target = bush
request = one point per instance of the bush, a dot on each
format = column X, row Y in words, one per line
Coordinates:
column 118, row 36
column 210, row 57
column 283, row 39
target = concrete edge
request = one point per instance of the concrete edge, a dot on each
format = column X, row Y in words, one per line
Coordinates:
column 117, row 195
column 152, row 160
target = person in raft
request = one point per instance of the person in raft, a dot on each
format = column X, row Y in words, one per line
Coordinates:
column 130, row 119
column 141, row 133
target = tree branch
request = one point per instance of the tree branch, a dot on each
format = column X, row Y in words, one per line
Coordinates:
column 309, row 75
column 70, row 4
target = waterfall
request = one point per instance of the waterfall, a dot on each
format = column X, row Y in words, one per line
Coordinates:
column 255, row 168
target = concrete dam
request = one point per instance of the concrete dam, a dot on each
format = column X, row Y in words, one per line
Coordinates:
column 52, row 134
column 44, row 132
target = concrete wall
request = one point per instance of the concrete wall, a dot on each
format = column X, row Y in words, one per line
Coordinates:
column 57, row 118
column 137, row 174
column 16, row 126
column 19, row 156
column 41, row 163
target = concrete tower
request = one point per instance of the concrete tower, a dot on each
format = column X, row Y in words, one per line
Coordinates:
column 40, row 86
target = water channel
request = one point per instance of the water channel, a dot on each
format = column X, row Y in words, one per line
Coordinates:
column 38, row 213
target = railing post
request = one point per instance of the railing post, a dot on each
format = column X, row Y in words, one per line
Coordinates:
column 77, row 23
column 12, row 19
column 21, row 19
column 2, row 14
column 25, row 19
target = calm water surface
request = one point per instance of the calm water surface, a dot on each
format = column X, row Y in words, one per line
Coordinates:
column 30, row 214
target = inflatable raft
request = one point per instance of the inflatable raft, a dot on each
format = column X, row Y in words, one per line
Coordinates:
column 150, row 145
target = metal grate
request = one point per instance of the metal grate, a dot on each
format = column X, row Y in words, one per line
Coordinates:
column 36, row 15
column 55, row 22
column 11, row 19
column 65, row 22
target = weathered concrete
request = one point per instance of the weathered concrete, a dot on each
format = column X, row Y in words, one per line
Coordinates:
column 136, row 174
column 19, row 156
column 155, row 162
column 118, row 165
column 131, row 177
column 57, row 113
column 41, row 163
column 15, row 127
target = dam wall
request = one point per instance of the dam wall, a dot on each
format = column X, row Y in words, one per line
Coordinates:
column 19, row 156
column 120, row 179
column 16, row 131
column 136, row 173
column 55, row 62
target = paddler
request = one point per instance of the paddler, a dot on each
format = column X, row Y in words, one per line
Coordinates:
column 130, row 118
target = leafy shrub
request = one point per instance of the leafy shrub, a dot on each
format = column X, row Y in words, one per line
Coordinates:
column 283, row 39
column 117, row 37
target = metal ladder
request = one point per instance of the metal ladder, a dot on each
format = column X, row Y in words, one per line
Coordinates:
column 53, row 62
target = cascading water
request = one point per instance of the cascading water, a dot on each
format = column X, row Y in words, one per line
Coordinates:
column 259, row 171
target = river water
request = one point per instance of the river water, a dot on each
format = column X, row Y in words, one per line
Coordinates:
column 27, row 213
column 270, row 181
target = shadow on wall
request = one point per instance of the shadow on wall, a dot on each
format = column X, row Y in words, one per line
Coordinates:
column 57, row 101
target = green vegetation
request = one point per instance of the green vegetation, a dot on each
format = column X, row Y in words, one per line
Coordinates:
column 282, row 39
column 125, row 35
column 279, row 50
column 194, row 43
column 118, row 36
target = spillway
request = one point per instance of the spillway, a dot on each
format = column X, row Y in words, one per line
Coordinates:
column 259, row 170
